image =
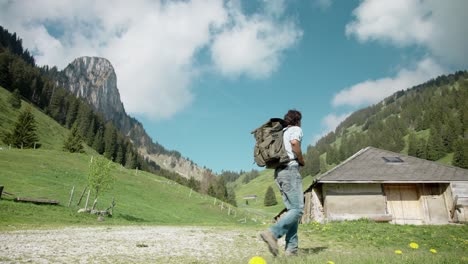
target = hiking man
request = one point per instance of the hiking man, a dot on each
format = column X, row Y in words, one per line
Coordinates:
column 289, row 182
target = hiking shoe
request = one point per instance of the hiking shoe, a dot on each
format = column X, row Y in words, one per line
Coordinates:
column 271, row 241
column 288, row 253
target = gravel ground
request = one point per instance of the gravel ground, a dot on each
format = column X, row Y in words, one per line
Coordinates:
column 161, row 244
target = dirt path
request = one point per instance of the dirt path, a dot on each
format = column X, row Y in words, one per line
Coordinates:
column 161, row 244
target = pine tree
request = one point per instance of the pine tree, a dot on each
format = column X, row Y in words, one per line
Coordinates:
column 15, row 99
column 435, row 146
column 270, row 197
column 72, row 111
column 110, row 140
column 460, row 157
column 56, row 105
column 74, row 142
column 83, row 118
column 193, row 184
column 98, row 143
column 315, row 163
column 421, row 148
column 332, row 156
column 120, row 155
column 24, row 132
column 90, row 134
column 312, row 162
column 412, row 145
column 211, row 191
column 231, row 196
column 323, row 166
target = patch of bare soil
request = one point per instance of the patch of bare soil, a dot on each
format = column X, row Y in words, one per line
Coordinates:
column 142, row 244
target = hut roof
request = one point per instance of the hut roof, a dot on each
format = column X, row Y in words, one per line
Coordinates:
column 377, row 165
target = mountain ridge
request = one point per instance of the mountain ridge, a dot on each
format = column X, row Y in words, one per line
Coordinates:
column 428, row 121
column 94, row 80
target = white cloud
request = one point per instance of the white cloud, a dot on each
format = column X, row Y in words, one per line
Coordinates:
column 153, row 45
column 439, row 26
column 372, row 91
column 253, row 45
column 329, row 123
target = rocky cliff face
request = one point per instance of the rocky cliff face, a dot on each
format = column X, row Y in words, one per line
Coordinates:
column 93, row 79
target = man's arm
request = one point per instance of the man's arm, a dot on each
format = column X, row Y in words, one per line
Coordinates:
column 296, row 148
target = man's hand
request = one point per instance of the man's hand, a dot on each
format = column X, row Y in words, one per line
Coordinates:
column 296, row 148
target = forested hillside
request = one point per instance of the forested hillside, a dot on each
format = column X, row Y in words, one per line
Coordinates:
column 20, row 76
column 428, row 121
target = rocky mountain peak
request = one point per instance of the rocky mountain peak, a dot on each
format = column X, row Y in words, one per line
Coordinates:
column 94, row 79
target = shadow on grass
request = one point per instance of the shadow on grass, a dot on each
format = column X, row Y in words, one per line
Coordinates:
column 313, row 250
column 132, row 218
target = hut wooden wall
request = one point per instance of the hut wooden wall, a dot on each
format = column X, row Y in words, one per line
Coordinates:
column 353, row 201
column 460, row 190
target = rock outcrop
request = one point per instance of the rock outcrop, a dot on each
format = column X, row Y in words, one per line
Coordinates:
column 94, row 80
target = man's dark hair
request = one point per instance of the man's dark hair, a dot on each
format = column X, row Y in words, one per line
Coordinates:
column 293, row 117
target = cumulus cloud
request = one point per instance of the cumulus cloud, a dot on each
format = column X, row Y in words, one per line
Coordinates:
column 253, row 45
column 372, row 91
column 435, row 25
column 153, row 45
column 329, row 123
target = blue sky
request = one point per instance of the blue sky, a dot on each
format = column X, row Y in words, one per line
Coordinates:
column 201, row 74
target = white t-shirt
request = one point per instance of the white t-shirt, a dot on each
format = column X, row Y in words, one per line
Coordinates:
column 291, row 133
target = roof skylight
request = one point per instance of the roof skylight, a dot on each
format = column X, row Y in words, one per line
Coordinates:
column 393, row 159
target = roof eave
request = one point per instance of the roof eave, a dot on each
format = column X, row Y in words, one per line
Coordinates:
column 384, row 181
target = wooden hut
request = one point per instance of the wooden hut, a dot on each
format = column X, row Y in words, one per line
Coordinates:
column 387, row 186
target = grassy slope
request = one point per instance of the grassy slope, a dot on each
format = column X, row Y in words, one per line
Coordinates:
column 259, row 186
column 50, row 173
column 51, row 134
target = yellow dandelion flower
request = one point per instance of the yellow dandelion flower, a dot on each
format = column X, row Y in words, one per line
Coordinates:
column 398, row 252
column 330, row 262
column 414, row 245
column 433, row 251
column 257, row 260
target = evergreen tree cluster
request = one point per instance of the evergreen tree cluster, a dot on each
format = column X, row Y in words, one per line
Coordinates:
column 14, row 44
column 230, row 176
column 437, row 108
column 19, row 75
column 250, row 176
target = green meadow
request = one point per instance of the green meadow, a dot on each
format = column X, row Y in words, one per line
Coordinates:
column 147, row 199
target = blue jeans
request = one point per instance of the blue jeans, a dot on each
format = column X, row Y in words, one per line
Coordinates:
column 289, row 182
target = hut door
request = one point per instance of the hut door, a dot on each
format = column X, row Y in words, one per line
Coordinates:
column 436, row 208
column 403, row 203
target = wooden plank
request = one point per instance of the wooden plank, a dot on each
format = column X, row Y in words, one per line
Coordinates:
column 36, row 200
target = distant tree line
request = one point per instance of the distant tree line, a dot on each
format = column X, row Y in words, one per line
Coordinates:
column 20, row 75
column 430, row 119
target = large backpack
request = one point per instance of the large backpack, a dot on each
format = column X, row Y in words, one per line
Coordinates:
column 269, row 149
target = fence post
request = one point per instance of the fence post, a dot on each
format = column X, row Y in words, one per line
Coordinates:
column 87, row 200
column 71, row 196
